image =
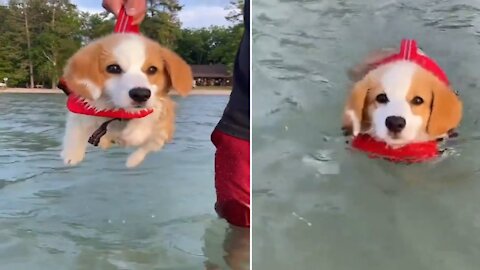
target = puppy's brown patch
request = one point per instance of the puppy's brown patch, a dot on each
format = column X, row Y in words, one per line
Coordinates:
column 441, row 109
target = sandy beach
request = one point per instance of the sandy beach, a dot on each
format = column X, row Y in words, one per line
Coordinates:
column 196, row 91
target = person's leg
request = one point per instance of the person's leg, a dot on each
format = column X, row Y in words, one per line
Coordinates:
column 232, row 140
column 232, row 178
column 233, row 252
column 237, row 248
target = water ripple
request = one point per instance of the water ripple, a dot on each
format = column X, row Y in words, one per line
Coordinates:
column 357, row 205
column 50, row 211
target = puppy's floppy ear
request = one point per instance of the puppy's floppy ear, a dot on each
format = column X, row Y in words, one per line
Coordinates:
column 446, row 112
column 169, row 115
column 82, row 72
column 179, row 72
column 354, row 109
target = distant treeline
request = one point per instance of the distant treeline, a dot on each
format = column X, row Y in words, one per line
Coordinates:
column 38, row 36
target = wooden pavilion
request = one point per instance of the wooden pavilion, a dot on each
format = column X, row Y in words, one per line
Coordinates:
column 211, row 75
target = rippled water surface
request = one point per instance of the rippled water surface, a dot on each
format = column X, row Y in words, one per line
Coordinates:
column 318, row 205
column 101, row 215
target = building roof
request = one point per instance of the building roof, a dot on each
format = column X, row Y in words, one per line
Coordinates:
column 210, row 71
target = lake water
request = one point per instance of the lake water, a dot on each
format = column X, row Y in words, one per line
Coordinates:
column 101, row 215
column 318, row 205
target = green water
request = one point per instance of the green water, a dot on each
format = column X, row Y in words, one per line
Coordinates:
column 101, row 215
column 318, row 205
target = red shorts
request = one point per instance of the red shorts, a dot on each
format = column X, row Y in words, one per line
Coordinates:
column 232, row 178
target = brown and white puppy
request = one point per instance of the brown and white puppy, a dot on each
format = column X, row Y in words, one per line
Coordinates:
column 131, row 72
column 399, row 103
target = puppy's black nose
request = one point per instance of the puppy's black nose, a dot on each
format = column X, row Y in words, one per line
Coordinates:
column 395, row 123
column 139, row 94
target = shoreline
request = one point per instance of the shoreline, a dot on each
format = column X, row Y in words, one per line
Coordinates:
column 196, row 91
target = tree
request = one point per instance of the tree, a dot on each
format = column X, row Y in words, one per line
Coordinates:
column 13, row 63
column 171, row 6
column 161, row 22
column 225, row 42
column 38, row 36
column 212, row 45
column 95, row 26
column 194, row 45
column 235, row 14
column 215, row 44
column 58, row 38
column 19, row 13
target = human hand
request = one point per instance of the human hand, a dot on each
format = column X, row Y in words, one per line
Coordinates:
column 134, row 8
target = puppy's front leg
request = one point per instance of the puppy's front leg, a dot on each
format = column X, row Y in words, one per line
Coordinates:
column 106, row 141
column 152, row 145
column 137, row 131
column 139, row 155
column 77, row 132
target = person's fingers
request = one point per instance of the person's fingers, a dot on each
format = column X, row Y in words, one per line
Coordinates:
column 136, row 9
column 113, row 6
column 138, row 19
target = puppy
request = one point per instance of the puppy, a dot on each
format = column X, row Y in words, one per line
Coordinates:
column 131, row 72
column 399, row 102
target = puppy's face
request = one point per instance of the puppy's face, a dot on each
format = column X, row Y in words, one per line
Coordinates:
column 127, row 71
column 400, row 103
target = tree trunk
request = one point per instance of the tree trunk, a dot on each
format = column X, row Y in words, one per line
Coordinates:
column 27, row 33
column 151, row 8
column 54, row 55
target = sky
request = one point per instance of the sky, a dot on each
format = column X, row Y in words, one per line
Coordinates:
column 195, row 13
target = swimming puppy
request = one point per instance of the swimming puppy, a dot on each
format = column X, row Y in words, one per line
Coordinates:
column 402, row 102
column 131, row 72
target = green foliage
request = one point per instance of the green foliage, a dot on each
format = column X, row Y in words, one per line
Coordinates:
column 12, row 54
column 162, row 27
column 161, row 22
column 235, row 14
column 55, row 39
column 95, row 25
column 40, row 35
column 194, row 45
column 210, row 45
column 225, row 44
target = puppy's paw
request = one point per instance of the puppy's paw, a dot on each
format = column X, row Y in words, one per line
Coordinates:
column 351, row 123
column 135, row 159
column 105, row 143
column 133, row 137
column 72, row 157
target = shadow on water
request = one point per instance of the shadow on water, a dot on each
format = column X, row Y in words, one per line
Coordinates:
column 318, row 204
column 101, row 215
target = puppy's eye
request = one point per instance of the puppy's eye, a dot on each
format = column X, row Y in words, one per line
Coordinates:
column 114, row 69
column 152, row 70
column 382, row 98
column 417, row 100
